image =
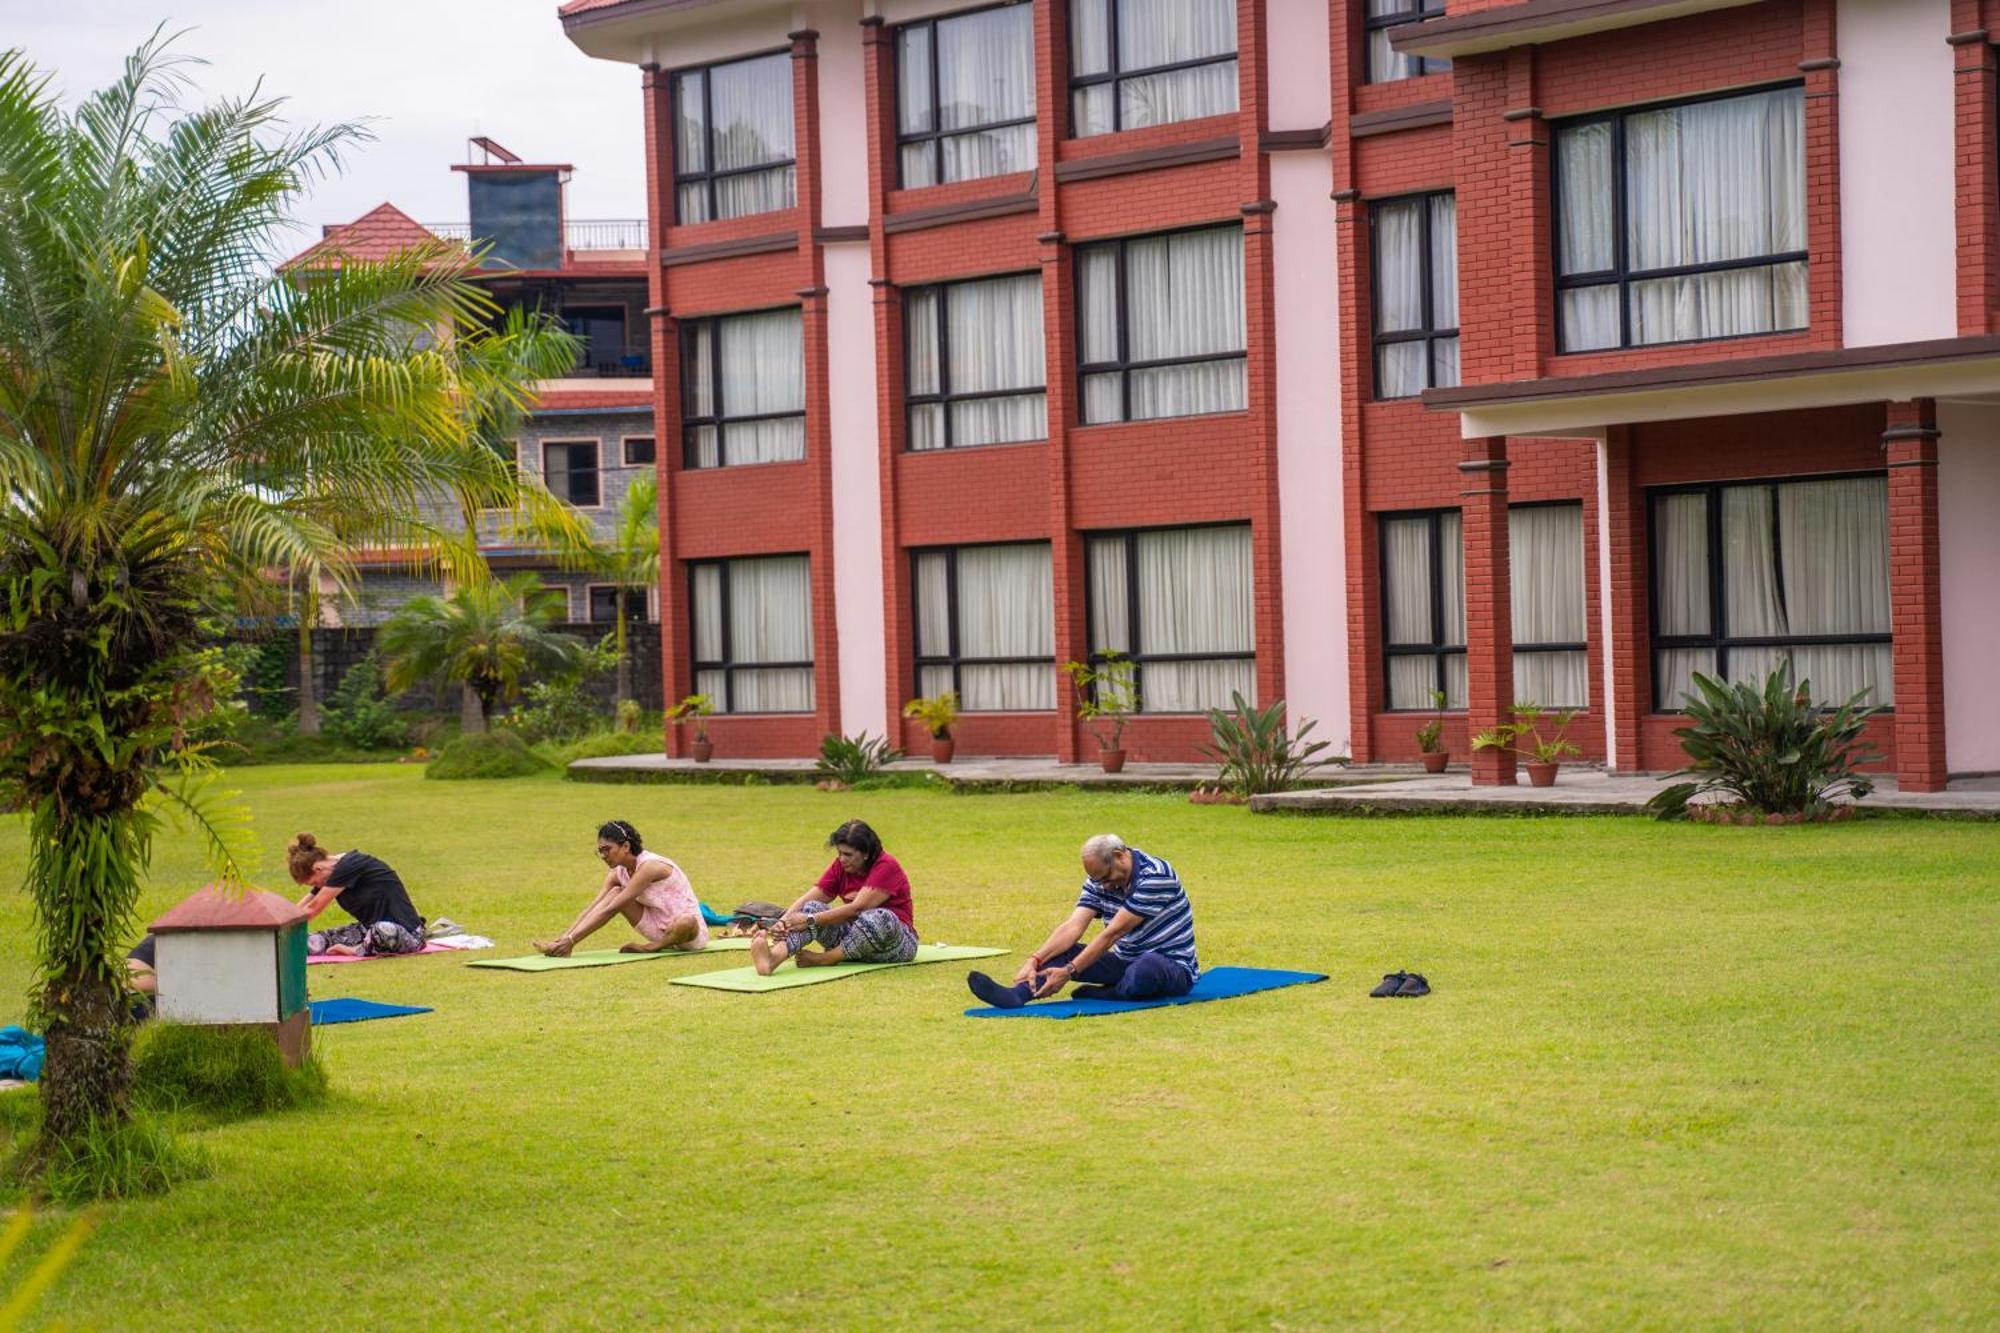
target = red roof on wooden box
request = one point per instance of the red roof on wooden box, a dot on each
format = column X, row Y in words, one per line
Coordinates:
column 216, row 909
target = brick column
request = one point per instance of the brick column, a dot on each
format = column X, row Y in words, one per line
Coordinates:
column 1489, row 628
column 1627, row 594
column 676, row 671
column 1915, row 599
column 1977, row 134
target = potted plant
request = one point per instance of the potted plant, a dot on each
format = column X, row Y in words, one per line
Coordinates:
column 695, row 708
column 937, row 714
column 1106, row 697
column 1430, row 738
column 1541, row 755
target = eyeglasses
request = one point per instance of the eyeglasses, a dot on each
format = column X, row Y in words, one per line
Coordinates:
column 604, row 851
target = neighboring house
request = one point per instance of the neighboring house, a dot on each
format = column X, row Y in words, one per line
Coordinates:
column 590, row 433
column 1336, row 351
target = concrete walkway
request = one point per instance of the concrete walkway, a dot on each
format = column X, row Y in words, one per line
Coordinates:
column 970, row 772
column 1586, row 791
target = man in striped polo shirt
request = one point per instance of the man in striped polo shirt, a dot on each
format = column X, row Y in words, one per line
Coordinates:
column 1145, row 950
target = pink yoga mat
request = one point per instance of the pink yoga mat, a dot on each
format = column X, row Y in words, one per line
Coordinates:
column 313, row 958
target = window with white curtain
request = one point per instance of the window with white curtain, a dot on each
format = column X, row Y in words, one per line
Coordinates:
column 1177, row 602
column 1160, row 326
column 1385, row 63
column 1681, row 222
column 1423, row 608
column 733, row 137
column 1749, row 577
column 1134, row 63
column 986, row 626
column 1416, row 294
column 1546, row 594
column 965, row 95
column 975, row 366
column 752, row 633
column 743, row 389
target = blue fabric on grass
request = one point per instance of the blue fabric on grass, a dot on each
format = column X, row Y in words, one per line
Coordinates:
column 713, row 917
column 349, row 1010
column 20, row 1054
column 1221, row 983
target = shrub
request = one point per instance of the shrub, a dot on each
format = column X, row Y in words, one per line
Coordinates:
column 561, row 707
column 493, row 754
column 358, row 715
column 1254, row 753
column 1769, row 748
column 223, row 1072
column 600, row 745
column 853, row 759
column 113, row 1159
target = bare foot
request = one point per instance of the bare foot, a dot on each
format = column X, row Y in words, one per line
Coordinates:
column 552, row 948
column 640, row 946
column 760, row 954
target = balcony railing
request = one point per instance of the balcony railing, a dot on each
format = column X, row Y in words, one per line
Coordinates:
column 582, row 234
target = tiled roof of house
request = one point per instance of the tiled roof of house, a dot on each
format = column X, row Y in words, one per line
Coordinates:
column 585, row 6
column 638, row 399
column 217, row 909
column 382, row 231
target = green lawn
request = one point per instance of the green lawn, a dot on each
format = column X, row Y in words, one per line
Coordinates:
column 1670, row 1076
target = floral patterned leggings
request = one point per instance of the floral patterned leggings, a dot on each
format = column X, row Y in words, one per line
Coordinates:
column 875, row 936
column 382, row 937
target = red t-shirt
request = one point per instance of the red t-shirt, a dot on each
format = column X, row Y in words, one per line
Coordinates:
column 885, row 876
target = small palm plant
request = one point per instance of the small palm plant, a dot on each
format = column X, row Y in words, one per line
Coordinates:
column 1523, row 736
column 485, row 635
column 1769, row 750
column 1254, row 751
column 937, row 713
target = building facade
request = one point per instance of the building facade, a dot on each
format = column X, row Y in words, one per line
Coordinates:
column 1354, row 354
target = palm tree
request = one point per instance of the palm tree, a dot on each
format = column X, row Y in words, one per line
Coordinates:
column 175, row 420
column 630, row 558
column 484, row 636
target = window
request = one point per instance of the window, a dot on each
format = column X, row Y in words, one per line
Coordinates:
column 1423, row 608
column 1385, row 63
column 1160, row 322
column 601, row 332
column 639, row 451
column 1177, row 602
column 1545, row 583
column 1134, row 63
column 1748, row 577
column 743, row 389
column 753, row 639
column 553, row 596
column 1416, row 295
column 965, row 96
column 975, row 367
column 1682, row 222
column 733, row 139
column 604, row 603
column 986, row 626
column 569, row 470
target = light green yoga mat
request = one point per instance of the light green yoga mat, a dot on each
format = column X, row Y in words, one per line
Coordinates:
column 746, row 978
column 604, row 957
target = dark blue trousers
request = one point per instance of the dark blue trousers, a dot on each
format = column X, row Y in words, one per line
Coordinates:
column 1150, row 976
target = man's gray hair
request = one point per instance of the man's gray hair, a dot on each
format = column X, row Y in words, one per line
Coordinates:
column 1099, row 848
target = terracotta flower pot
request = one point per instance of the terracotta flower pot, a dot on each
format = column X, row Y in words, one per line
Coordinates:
column 1113, row 760
column 1434, row 760
column 702, row 751
column 1541, row 775
column 941, row 748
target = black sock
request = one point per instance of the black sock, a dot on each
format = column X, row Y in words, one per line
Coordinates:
column 995, row 994
column 1093, row 993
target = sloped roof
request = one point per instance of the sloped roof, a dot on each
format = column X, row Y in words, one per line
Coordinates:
column 381, row 232
column 215, row 909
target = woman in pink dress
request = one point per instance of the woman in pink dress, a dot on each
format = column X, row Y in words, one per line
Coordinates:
column 643, row 887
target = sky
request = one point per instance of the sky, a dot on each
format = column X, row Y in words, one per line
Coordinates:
column 426, row 74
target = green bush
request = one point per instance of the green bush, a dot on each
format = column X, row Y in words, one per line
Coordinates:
column 1769, row 747
column 496, row 754
column 1253, row 751
column 358, row 716
column 853, row 759
column 223, row 1072
column 602, row 745
column 561, row 708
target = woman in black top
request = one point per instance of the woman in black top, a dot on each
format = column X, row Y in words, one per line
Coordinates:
column 385, row 921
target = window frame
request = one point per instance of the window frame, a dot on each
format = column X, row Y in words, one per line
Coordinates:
column 1621, row 275
column 956, row 659
column 644, row 596
column 936, row 135
column 944, row 397
column 625, row 443
column 1428, row 336
column 1125, row 365
column 1583, row 537
column 1716, row 640
column 727, row 665
column 1372, row 24
column 707, row 178
column 720, row 420
column 1116, row 75
column 596, row 445
column 1136, row 654
column 1437, row 649
column 550, row 591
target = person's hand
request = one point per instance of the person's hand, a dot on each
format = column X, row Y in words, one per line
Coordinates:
column 1051, row 981
column 1026, row 976
column 791, row 921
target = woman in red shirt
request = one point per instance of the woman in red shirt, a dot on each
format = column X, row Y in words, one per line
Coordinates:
column 859, row 912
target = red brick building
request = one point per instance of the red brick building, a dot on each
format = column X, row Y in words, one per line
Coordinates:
column 1339, row 353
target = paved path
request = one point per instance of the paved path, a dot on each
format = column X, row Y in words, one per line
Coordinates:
column 963, row 771
column 1586, row 791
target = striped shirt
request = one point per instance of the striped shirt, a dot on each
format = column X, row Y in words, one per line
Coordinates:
column 1154, row 892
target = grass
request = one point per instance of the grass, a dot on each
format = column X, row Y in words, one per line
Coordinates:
column 1670, row 1076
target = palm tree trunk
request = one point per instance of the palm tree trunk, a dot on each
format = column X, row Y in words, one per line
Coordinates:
column 308, row 696
column 624, row 664
column 471, row 712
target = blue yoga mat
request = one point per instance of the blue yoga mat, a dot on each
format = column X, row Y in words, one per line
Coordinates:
column 1223, row 983
column 347, row 1010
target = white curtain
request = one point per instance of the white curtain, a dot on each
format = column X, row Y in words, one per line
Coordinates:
column 1152, row 33
column 1097, row 332
column 751, row 101
column 1399, row 300
column 1406, row 599
column 1184, row 297
column 986, row 73
column 770, row 620
column 995, row 334
column 691, row 146
column 1545, row 578
column 763, row 371
column 1195, row 597
column 913, row 104
column 1110, row 612
column 1444, row 288
column 1586, row 194
column 920, row 338
column 1006, row 608
column 1681, row 542
column 1385, row 63
column 1834, row 539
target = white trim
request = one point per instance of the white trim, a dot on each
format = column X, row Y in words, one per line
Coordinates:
column 625, row 455
column 1606, row 620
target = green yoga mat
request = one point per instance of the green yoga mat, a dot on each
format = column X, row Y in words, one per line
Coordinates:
column 746, row 978
column 604, row 957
